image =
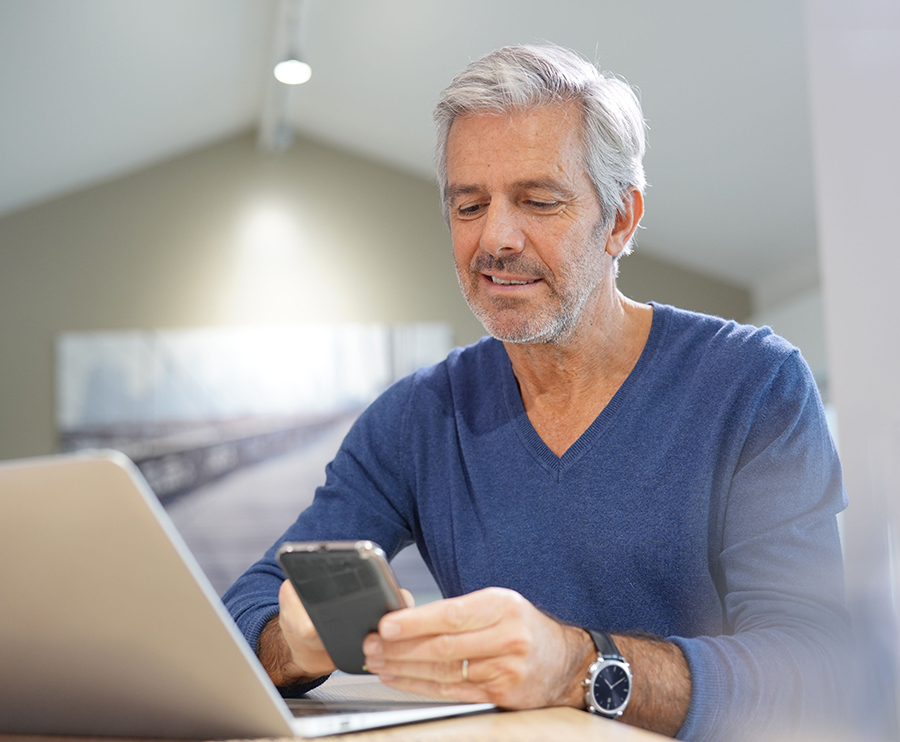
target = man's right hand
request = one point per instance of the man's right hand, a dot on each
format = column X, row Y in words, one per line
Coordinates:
column 289, row 647
column 307, row 651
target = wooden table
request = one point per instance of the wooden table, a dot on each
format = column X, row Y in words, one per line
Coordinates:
column 542, row 725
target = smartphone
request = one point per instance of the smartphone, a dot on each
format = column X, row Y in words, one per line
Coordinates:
column 346, row 587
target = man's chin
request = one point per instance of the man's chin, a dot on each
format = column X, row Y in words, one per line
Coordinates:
column 540, row 330
column 520, row 334
column 511, row 324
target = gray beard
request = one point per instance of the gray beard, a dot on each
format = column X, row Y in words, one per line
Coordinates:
column 545, row 327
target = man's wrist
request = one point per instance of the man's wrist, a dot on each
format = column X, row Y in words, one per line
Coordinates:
column 276, row 658
column 581, row 654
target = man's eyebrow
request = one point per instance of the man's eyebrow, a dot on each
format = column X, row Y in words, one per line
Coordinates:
column 455, row 191
column 547, row 184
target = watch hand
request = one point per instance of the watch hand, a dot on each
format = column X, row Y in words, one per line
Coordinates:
column 616, row 683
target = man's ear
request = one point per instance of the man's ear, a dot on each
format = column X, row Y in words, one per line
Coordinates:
column 626, row 223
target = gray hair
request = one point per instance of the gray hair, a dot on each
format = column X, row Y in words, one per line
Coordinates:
column 517, row 78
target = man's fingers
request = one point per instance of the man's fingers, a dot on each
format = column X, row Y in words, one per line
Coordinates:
column 491, row 645
column 478, row 610
column 441, row 647
column 437, row 672
column 490, row 679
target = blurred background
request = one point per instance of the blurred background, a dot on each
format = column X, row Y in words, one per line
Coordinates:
column 156, row 180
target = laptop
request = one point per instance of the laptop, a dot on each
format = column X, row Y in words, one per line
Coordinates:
column 109, row 627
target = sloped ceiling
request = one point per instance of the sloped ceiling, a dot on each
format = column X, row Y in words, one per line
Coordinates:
column 90, row 89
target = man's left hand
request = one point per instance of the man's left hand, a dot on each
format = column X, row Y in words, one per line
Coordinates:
column 491, row 645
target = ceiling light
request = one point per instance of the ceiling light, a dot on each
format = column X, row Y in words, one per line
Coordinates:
column 292, row 72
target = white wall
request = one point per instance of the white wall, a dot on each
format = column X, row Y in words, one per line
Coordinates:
column 227, row 236
column 854, row 62
column 222, row 236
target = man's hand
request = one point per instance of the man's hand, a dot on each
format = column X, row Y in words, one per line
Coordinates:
column 491, row 645
column 307, row 651
column 289, row 647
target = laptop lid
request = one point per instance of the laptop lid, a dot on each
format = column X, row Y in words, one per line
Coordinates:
column 109, row 627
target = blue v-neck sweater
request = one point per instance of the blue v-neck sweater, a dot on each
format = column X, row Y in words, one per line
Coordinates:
column 700, row 505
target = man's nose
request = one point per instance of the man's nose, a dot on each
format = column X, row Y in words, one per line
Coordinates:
column 501, row 233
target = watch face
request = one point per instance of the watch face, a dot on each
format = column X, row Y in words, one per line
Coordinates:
column 611, row 687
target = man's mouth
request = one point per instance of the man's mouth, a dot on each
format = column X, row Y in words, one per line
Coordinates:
column 504, row 282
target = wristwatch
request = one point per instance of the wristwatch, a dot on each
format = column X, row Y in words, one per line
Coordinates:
column 608, row 683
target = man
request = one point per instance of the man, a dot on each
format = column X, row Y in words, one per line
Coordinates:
column 598, row 464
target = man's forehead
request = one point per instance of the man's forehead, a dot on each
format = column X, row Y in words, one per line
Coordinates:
column 563, row 114
column 532, row 146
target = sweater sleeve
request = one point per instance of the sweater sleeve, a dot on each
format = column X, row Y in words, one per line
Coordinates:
column 366, row 495
column 780, row 574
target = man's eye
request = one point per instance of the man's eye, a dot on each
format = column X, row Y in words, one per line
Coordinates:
column 471, row 210
column 542, row 205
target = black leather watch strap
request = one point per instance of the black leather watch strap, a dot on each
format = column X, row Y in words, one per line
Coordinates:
column 605, row 645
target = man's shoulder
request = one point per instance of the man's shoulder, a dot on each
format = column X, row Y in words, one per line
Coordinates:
column 693, row 332
column 464, row 363
column 457, row 375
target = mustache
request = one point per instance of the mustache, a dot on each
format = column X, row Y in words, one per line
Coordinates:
column 517, row 264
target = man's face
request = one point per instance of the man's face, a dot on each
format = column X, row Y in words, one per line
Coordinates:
column 528, row 239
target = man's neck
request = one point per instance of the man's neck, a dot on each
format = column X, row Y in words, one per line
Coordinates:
column 566, row 384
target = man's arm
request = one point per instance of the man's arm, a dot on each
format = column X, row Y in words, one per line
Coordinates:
column 276, row 657
column 661, row 692
column 365, row 496
column 288, row 647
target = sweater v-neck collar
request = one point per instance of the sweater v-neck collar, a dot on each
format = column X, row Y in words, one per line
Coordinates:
column 529, row 436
